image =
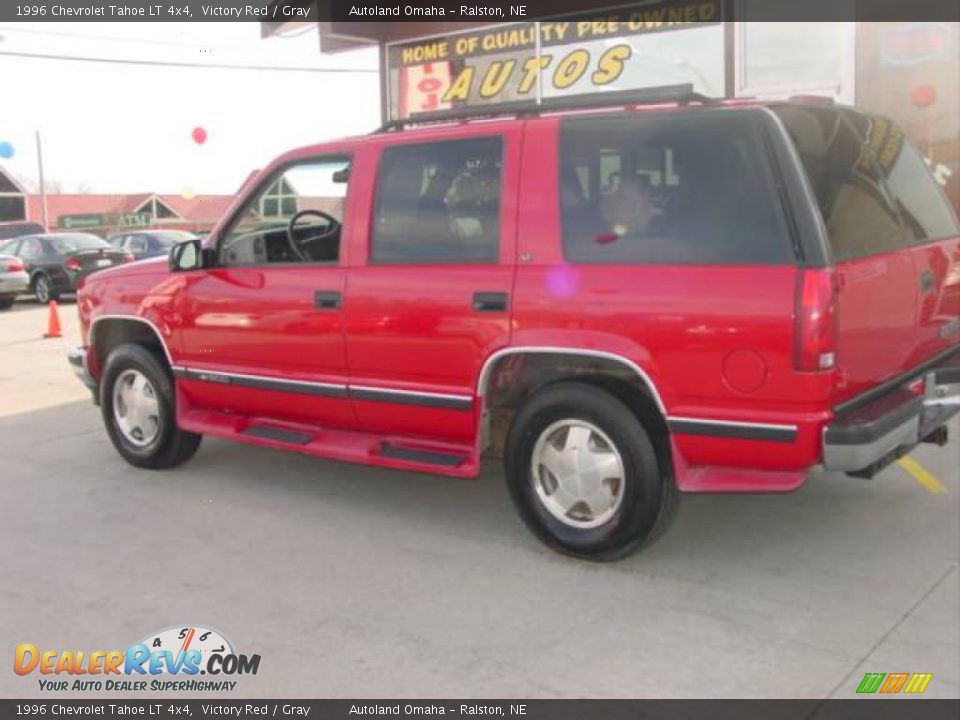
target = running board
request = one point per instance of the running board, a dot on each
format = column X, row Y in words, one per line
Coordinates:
column 431, row 457
column 401, row 453
column 268, row 432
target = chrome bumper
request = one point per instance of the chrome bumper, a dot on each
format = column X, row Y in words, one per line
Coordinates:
column 870, row 437
column 77, row 357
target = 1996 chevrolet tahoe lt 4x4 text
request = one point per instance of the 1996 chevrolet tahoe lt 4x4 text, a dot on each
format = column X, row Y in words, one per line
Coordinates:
column 655, row 295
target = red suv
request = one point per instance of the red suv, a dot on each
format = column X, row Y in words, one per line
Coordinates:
column 655, row 295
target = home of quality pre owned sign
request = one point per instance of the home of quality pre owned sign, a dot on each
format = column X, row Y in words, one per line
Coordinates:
column 438, row 73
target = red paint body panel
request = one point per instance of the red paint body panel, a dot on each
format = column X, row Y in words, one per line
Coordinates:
column 262, row 321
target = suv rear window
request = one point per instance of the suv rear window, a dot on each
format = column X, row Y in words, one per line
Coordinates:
column 924, row 209
column 693, row 188
column 869, row 182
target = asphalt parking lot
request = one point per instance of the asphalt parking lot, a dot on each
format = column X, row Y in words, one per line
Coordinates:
column 361, row 582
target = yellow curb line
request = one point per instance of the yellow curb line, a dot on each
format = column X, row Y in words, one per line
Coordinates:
column 922, row 475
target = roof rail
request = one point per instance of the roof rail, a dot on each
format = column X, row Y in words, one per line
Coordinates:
column 682, row 94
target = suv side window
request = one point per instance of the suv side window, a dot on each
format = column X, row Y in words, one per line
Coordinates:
column 925, row 212
column 313, row 192
column 842, row 167
column 669, row 189
column 439, row 202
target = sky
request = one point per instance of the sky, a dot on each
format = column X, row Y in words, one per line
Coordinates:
column 121, row 128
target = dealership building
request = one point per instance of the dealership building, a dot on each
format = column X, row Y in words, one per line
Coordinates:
column 909, row 71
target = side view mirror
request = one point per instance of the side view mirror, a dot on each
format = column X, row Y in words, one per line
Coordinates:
column 187, row 255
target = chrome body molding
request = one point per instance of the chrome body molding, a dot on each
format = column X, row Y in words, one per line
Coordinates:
column 484, row 377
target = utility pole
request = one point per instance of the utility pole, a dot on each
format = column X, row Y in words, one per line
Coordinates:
column 43, row 187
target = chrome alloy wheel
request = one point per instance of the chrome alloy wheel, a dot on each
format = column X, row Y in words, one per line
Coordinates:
column 135, row 408
column 577, row 473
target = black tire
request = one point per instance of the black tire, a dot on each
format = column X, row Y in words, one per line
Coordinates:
column 171, row 446
column 7, row 302
column 650, row 497
column 44, row 289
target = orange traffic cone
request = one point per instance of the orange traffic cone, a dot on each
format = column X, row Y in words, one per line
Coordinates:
column 53, row 322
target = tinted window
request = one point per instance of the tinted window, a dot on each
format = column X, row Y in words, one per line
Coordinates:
column 137, row 243
column 669, row 189
column 73, row 243
column 439, row 203
column 31, row 248
column 167, row 240
column 924, row 209
column 857, row 210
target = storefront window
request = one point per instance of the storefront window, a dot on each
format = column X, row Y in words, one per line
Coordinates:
column 692, row 55
column 776, row 59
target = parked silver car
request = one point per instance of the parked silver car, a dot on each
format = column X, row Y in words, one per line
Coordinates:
column 13, row 280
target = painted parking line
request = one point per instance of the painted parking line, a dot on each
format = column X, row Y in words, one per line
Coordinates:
column 923, row 476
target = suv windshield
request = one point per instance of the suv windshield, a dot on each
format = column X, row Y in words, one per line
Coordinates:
column 73, row 243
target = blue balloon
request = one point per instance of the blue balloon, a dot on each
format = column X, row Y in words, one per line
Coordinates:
column 6, row 150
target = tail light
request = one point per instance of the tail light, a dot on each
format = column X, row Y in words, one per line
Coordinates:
column 15, row 266
column 73, row 265
column 815, row 318
column 128, row 257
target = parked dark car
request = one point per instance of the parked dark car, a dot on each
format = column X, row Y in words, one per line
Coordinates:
column 144, row 244
column 56, row 261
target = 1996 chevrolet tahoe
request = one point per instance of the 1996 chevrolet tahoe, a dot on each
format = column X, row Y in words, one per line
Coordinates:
column 649, row 295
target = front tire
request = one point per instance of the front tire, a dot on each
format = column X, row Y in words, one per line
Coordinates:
column 584, row 474
column 137, row 401
column 7, row 302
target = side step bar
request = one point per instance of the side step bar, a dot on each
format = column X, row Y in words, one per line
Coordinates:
column 425, row 456
column 401, row 453
column 267, row 432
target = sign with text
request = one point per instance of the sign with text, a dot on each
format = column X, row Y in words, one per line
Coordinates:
column 79, row 221
column 527, row 61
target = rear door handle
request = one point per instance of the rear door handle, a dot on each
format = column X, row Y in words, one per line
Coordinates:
column 490, row 301
column 326, row 299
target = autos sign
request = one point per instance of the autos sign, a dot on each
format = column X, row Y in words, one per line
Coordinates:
column 505, row 62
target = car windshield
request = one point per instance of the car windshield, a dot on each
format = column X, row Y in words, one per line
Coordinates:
column 169, row 239
column 73, row 243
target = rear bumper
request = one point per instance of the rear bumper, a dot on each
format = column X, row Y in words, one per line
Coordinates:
column 12, row 283
column 863, row 440
column 77, row 357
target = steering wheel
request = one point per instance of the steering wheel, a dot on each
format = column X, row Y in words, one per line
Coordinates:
column 333, row 227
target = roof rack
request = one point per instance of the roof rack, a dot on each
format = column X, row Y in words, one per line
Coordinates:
column 682, row 94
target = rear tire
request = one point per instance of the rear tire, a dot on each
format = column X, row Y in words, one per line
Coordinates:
column 138, row 405
column 44, row 289
column 7, row 302
column 610, row 495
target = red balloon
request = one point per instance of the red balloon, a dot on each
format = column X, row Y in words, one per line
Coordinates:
column 199, row 135
column 923, row 95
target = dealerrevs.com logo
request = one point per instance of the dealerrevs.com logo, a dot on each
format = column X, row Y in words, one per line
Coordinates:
column 167, row 661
